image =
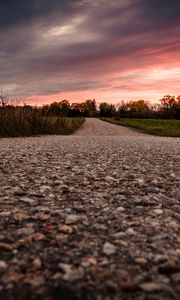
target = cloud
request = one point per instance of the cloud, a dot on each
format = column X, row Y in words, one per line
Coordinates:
column 64, row 46
column 20, row 12
column 160, row 10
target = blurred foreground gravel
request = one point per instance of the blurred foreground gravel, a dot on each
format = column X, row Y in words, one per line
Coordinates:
column 95, row 215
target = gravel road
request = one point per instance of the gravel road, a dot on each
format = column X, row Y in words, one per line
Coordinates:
column 94, row 127
column 95, row 215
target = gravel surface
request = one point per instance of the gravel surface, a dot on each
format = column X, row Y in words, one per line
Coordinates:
column 93, row 127
column 95, row 215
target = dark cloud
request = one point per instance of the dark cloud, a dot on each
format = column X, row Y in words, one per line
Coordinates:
column 60, row 45
column 160, row 10
column 20, row 12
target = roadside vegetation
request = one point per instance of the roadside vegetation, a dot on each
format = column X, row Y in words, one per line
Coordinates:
column 63, row 117
column 30, row 122
column 158, row 127
column 167, row 108
column 161, row 119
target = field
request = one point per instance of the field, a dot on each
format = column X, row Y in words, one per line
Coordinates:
column 15, row 123
column 158, row 127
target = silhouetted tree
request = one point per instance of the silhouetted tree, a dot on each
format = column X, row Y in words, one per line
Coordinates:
column 107, row 110
column 169, row 107
column 90, row 108
column 65, row 108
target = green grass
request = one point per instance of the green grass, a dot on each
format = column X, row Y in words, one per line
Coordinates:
column 17, row 122
column 151, row 126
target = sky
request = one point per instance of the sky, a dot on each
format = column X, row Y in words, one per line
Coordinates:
column 89, row 49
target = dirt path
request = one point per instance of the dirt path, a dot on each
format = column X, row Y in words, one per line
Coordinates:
column 94, row 127
column 95, row 215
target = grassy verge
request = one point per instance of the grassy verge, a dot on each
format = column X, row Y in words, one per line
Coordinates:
column 15, row 123
column 151, row 126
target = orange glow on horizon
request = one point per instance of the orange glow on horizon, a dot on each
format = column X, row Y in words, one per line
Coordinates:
column 149, row 85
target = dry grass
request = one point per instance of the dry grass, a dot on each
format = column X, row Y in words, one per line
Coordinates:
column 20, row 122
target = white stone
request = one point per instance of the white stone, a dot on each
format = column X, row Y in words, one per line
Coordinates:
column 27, row 200
column 70, row 273
column 150, row 287
column 159, row 258
column 130, row 231
column 3, row 267
column 5, row 213
column 109, row 248
column 120, row 209
column 158, row 211
column 71, row 219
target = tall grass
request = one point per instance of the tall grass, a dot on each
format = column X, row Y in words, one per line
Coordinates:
column 151, row 126
column 21, row 122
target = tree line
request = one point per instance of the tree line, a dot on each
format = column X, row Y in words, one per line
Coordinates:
column 168, row 108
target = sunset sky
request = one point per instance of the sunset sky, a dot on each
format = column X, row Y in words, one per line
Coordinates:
column 79, row 49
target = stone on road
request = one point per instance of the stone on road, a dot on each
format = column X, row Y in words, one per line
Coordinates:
column 94, row 215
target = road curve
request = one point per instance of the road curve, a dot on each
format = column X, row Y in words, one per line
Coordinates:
column 94, row 215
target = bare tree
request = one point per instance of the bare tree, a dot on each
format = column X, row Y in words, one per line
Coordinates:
column 4, row 99
column 12, row 101
column 16, row 101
